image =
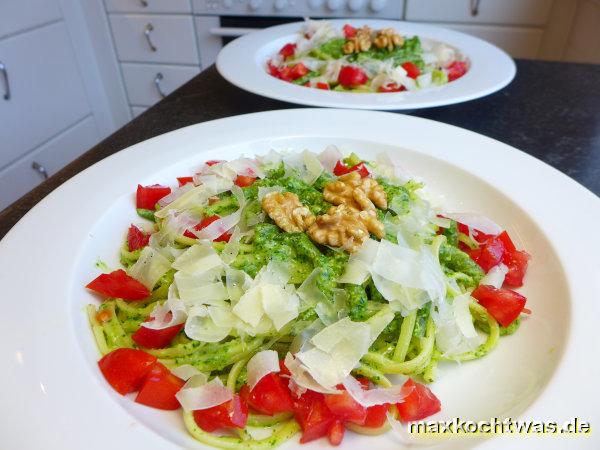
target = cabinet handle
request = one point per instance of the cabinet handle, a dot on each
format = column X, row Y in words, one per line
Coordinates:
column 475, row 7
column 40, row 169
column 5, row 78
column 144, row 3
column 157, row 79
column 149, row 28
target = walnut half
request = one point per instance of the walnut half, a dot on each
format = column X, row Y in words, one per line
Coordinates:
column 287, row 212
column 357, row 192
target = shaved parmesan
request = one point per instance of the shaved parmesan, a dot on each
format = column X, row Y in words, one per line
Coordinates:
column 455, row 333
column 195, row 197
column 197, row 394
column 175, row 194
column 476, row 222
column 170, row 313
column 495, row 276
column 329, row 157
column 224, row 224
column 199, row 258
column 237, row 282
column 149, row 267
column 201, row 327
column 187, row 371
column 301, row 377
column 309, row 292
column 264, row 191
column 246, row 167
column 377, row 396
column 261, row 364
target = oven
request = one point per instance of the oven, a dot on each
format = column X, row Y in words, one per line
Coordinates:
column 220, row 21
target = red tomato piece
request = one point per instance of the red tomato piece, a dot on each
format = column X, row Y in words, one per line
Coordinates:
column 244, row 180
column 488, row 254
column 282, row 73
column 203, row 224
column 298, row 71
column 503, row 304
column 136, row 238
column 149, row 338
column 344, row 407
column 351, row 77
column 342, row 169
column 314, row 417
column 336, row 431
column 126, row 368
column 456, row 70
column 184, row 180
column 391, row 87
column 420, row 403
column 231, row 414
column 322, row 85
column 147, row 197
column 159, row 389
column 411, row 69
column 120, row 285
column 507, row 242
column 288, row 50
column 212, row 162
column 376, row 416
column 271, row 395
column 283, row 370
column 517, row 263
column 349, row 31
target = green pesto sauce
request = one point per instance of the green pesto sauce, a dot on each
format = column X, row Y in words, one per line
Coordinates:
column 456, row 260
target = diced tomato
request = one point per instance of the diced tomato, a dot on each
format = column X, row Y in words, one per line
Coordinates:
column 351, row 77
column 203, row 224
column 282, row 73
column 213, row 162
column 147, row 197
column 517, row 263
column 391, row 87
column 322, row 85
column 349, row 31
column 120, row 285
column 456, row 70
column 314, row 417
column 126, row 368
column 411, row 69
column 184, row 180
column 488, row 254
column 149, row 338
column 504, row 305
column 342, row 169
column 376, row 416
column 244, row 181
column 283, row 370
column 136, row 238
column 271, row 395
column 364, row 382
column 344, row 407
column 507, row 242
column 159, row 389
column 335, row 434
column 420, row 403
column 288, row 50
column 298, row 71
column 231, row 414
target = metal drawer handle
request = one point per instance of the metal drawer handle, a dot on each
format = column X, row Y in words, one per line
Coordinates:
column 157, row 79
column 144, row 3
column 40, row 169
column 149, row 28
column 5, row 78
column 475, row 7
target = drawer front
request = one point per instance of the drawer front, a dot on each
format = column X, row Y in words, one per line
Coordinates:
column 148, row 6
column 515, row 12
column 171, row 39
column 137, row 110
column 47, row 93
column 17, row 15
column 19, row 178
column 517, row 42
column 146, row 82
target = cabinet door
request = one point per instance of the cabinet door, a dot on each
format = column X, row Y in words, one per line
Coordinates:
column 146, row 83
column 155, row 38
column 514, row 12
column 20, row 177
column 148, row 6
column 517, row 42
column 46, row 91
column 18, row 15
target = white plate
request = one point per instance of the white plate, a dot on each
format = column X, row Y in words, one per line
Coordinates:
column 54, row 397
column 243, row 63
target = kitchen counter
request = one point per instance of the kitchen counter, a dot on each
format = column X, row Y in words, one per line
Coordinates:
column 551, row 111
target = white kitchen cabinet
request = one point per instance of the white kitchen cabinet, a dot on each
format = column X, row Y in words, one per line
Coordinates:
column 20, row 177
column 148, row 6
column 146, row 84
column 154, row 38
column 517, row 42
column 16, row 15
column 46, row 91
column 509, row 12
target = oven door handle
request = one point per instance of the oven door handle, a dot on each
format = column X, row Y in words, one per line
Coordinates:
column 231, row 31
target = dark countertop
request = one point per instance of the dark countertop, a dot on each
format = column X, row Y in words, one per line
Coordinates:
column 551, row 111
